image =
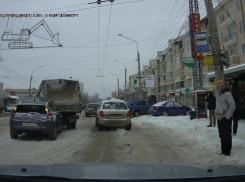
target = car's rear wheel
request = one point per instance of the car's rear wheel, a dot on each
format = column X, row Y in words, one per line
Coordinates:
column 96, row 122
column 187, row 113
column 128, row 127
column 53, row 136
column 13, row 135
column 165, row 113
column 136, row 113
column 100, row 128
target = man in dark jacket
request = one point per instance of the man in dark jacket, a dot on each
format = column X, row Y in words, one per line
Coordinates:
column 225, row 106
column 211, row 107
column 237, row 102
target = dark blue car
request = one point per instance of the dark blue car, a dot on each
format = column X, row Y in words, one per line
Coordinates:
column 138, row 107
column 168, row 108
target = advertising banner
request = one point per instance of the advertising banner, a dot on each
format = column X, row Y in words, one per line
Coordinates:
column 150, row 81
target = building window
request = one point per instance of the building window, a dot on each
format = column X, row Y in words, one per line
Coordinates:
column 222, row 37
column 179, row 85
column 238, row 5
column 221, row 18
column 229, row 12
column 177, row 59
column 232, row 32
column 190, row 69
column 241, row 25
column 190, row 82
column 233, row 52
column 177, row 73
column 243, row 49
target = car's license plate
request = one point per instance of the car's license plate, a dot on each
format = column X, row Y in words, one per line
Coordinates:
column 29, row 124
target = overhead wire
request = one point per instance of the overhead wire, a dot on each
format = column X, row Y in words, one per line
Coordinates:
column 153, row 30
column 158, row 46
column 108, row 29
column 157, row 42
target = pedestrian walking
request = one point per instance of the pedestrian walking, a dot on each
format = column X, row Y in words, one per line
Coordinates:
column 225, row 106
column 237, row 102
column 211, row 100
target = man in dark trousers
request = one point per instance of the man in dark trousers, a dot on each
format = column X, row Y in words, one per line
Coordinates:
column 225, row 106
column 237, row 102
column 211, row 107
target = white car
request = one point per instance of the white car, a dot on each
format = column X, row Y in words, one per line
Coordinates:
column 11, row 107
column 113, row 113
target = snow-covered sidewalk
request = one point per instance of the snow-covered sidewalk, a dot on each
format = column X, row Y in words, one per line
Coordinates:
column 197, row 143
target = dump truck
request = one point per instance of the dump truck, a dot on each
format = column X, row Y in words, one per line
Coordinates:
column 66, row 97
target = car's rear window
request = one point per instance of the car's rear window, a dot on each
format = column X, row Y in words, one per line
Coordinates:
column 114, row 105
column 159, row 104
column 31, row 108
column 93, row 105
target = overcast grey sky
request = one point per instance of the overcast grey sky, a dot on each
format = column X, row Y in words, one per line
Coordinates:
column 150, row 22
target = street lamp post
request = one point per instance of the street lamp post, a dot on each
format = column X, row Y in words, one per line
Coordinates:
column 31, row 80
column 117, row 84
column 49, row 77
column 125, row 76
column 138, row 58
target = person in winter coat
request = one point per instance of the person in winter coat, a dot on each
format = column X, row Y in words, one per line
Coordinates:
column 211, row 100
column 225, row 106
column 237, row 102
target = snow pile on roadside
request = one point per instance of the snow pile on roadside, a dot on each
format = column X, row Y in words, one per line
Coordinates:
column 197, row 143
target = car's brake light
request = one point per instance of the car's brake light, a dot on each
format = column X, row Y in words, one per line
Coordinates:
column 13, row 113
column 156, row 108
column 128, row 107
column 102, row 114
column 128, row 114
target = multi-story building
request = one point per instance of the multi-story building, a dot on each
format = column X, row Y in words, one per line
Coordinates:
column 174, row 80
column 22, row 93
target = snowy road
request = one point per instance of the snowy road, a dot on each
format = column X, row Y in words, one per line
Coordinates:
column 166, row 140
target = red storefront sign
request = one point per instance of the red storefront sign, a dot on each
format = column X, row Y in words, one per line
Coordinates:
column 161, row 95
column 196, row 27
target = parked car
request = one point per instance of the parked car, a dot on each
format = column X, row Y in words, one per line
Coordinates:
column 91, row 109
column 10, row 108
column 38, row 117
column 138, row 107
column 169, row 108
column 113, row 113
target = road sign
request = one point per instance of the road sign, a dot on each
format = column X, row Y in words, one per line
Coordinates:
column 201, row 42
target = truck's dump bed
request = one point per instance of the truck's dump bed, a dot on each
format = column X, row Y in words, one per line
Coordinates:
column 65, row 94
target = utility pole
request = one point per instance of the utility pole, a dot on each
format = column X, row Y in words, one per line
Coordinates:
column 138, row 56
column 215, row 43
column 118, row 88
column 125, row 81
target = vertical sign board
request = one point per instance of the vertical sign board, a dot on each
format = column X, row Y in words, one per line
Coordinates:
column 196, row 27
column 150, row 81
column 201, row 42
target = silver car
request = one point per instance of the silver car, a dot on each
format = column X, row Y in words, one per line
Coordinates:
column 113, row 113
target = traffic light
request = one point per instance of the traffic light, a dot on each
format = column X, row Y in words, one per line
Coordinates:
column 225, row 60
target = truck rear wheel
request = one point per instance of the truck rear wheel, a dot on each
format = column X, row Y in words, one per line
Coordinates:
column 73, row 125
column 68, row 126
